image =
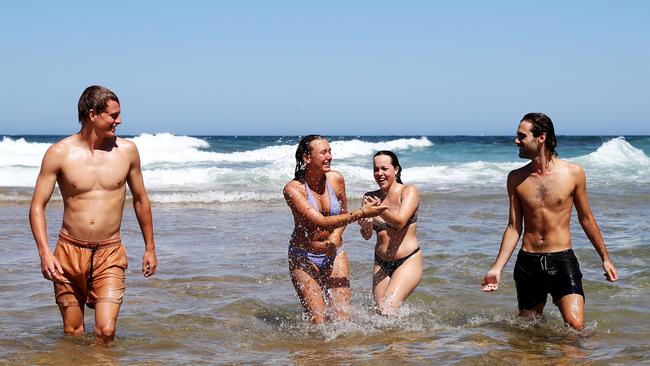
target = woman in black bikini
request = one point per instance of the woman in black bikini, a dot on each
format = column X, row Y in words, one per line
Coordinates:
column 317, row 262
column 398, row 258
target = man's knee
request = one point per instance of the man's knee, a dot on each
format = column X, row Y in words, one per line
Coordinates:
column 577, row 324
column 105, row 332
column 73, row 330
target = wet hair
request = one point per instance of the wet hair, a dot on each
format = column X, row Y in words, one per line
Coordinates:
column 543, row 124
column 95, row 97
column 304, row 148
column 393, row 161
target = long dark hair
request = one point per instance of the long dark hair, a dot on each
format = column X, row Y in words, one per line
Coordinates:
column 543, row 124
column 394, row 161
column 304, row 148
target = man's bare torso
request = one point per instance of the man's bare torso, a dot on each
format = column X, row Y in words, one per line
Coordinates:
column 546, row 201
column 92, row 184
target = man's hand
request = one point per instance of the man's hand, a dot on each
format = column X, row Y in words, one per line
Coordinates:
column 51, row 268
column 610, row 271
column 491, row 280
column 149, row 263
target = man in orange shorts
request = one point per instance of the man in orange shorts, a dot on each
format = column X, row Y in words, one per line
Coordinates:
column 91, row 169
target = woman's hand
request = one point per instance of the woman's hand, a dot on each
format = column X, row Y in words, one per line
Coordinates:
column 372, row 207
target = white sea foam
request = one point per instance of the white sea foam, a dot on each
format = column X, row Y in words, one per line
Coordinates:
column 183, row 169
column 616, row 153
column 19, row 152
column 212, row 197
column 616, row 161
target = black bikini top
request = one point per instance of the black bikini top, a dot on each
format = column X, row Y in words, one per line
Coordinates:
column 379, row 225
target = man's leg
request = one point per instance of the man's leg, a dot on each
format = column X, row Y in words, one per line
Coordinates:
column 105, row 320
column 534, row 312
column 572, row 308
column 73, row 319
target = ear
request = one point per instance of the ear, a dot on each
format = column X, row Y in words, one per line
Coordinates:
column 306, row 158
column 92, row 114
column 542, row 137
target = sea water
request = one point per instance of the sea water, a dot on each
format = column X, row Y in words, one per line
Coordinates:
column 222, row 293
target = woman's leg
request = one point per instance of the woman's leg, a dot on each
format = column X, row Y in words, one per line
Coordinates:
column 338, row 288
column 303, row 277
column 401, row 284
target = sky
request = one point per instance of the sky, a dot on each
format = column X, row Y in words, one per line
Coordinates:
column 331, row 67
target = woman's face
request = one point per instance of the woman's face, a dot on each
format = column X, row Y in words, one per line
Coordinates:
column 384, row 171
column 320, row 155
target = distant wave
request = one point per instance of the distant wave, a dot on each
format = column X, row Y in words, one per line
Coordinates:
column 180, row 169
column 167, row 148
column 616, row 152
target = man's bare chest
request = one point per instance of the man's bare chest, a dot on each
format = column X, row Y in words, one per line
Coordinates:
column 545, row 192
column 98, row 174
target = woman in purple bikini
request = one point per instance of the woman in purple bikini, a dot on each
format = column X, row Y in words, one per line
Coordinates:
column 317, row 261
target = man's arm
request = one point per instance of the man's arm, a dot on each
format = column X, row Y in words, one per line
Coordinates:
column 589, row 224
column 142, row 207
column 508, row 242
column 50, row 167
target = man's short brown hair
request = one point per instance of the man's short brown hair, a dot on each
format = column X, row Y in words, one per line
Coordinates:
column 95, row 98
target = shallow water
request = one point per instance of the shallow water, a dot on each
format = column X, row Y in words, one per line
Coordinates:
column 222, row 294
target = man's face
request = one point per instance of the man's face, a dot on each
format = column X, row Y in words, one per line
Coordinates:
column 528, row 145
column 106, row 122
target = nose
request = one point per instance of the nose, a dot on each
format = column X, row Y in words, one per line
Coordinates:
column 118, row 120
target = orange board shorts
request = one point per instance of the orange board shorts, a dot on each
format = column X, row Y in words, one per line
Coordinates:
column 94, row 272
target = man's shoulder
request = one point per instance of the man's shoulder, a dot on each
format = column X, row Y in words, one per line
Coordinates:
column 523, row 170
column 125, row 143
column 569, row 167
column 63, row 146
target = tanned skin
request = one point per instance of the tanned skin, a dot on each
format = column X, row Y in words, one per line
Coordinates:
column 92, row 169
column 542, row 195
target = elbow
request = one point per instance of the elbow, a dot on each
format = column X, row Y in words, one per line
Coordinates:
column 586, row 222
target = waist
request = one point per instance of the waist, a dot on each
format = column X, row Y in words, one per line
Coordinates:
column 560, row 254
column 84, row 243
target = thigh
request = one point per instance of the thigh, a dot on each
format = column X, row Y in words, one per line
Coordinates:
column 109, row 277
column 572, row 308
column 380, row 281
column 73, row 317
column 310, row 293
column 338, row 286
column 404, row 280
column 106, row 315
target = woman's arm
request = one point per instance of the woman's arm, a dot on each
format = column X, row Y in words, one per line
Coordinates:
column 410, row 201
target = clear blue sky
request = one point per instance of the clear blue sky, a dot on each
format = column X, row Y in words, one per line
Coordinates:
column 344, row 67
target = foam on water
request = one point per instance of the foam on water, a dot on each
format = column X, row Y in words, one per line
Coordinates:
column 188, row 169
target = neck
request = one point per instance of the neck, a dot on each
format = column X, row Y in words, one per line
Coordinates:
column 542, row 163
column 92, row 140
column 389, row 188
column 314, row 179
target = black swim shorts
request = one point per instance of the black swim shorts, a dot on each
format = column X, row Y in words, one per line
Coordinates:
column 537, row 274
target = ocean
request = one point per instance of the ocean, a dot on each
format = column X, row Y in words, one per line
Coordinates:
column 222, row 294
